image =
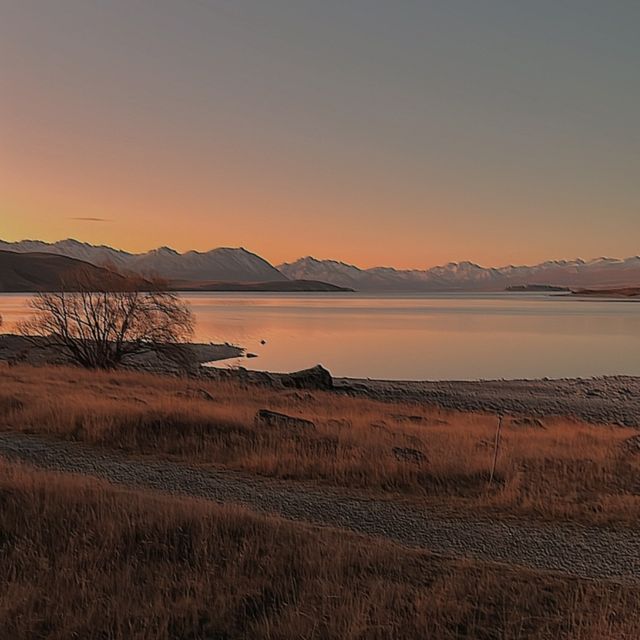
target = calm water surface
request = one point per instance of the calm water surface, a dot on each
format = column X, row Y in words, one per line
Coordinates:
column 421, row 336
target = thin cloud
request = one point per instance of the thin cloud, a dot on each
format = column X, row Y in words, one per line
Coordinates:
column 92, row 219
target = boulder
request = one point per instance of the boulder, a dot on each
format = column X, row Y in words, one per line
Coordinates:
column 315, row 378
column 401, row 417
column 281, row 420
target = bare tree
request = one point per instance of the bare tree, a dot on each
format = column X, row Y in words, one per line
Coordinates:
column 98, row 322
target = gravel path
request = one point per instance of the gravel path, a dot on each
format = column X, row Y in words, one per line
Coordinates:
column 605, row 400
column 575, row 550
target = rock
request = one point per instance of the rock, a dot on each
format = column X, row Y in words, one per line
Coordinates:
column 281, row 420
column 415, row 419
column 315, row 378
column 406, row 454
column 401, row 417
column 527, row 422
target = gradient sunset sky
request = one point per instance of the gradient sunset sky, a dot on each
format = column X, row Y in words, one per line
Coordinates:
column 407, row 133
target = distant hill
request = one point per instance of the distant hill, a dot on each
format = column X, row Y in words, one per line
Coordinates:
column 280, row 285
column 613, row 292
column 536, row 288
column 222, row 264
column 29, row 272
column 467, row 276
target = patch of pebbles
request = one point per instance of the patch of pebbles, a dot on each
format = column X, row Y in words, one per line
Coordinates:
column 605, row 400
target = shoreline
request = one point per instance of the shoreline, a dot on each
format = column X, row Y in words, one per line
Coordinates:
column 613, row 400
column 18, row 349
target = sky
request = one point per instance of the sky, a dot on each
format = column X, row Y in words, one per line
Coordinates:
column 406, row 133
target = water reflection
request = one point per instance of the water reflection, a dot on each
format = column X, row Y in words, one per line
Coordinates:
column 461, row 336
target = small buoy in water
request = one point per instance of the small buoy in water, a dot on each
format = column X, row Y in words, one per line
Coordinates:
column 263, row 342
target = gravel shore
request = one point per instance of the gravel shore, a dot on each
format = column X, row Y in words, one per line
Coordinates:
column 605, row 400
column 571, row 549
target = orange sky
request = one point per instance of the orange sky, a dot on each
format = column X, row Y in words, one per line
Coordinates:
column 408, row 137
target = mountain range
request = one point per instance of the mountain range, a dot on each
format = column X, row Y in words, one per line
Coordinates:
column 241, row 266
column 222, row 265
column 468, row 276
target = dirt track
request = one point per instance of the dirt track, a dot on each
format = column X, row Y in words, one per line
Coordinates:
column 588, row 552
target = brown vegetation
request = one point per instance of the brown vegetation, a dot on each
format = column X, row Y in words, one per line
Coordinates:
column 81, row 559
column 555, row 469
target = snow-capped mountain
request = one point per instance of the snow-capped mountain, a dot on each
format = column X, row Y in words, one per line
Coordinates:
column 222, row 264
column 240, row 265
column 468, row 276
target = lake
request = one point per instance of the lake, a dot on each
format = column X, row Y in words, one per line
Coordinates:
column 418, row 336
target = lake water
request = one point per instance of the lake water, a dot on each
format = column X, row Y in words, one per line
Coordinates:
column 418, row 336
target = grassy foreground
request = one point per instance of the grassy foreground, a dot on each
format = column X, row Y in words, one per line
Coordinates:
column 82, row 559
column 560, row 469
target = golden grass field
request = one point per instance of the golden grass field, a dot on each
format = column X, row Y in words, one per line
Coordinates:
column 82, row 559
column 564, row 469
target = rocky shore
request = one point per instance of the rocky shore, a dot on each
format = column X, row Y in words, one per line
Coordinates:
column 603, row 400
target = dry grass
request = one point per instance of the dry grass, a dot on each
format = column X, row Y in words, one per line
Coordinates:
column 561, row 470
column 81, row 559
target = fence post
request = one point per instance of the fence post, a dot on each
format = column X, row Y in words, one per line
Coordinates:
column 496, row 446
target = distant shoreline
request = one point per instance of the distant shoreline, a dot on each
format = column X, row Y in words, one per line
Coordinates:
column 278, row 286
column 536, row 288
column 613, row 292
